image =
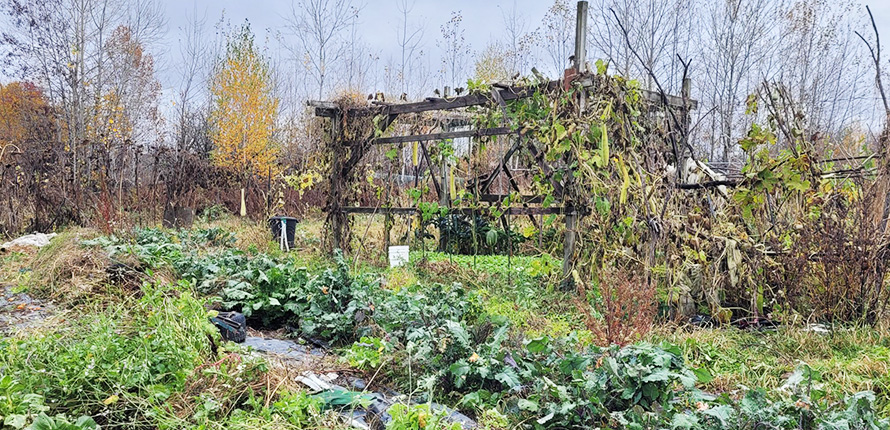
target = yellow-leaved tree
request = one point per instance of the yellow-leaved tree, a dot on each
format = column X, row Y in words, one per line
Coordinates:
column 244, row 109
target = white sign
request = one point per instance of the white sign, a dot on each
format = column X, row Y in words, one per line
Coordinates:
column 398, row 256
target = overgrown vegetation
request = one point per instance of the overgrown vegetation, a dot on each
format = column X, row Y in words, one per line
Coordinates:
column 149, row 358
column 575, row 261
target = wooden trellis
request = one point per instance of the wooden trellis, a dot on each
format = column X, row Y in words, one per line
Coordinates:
column 531, row 205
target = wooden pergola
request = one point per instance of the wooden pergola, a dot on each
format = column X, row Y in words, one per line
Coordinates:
column 531, row 205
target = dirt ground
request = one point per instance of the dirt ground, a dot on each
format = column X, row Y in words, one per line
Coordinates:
column 20, row 311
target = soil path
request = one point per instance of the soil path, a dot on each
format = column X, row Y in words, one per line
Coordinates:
column 20, row 311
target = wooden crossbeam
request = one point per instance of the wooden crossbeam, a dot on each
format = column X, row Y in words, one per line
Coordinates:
column 330, row 109
column 497, row 198
column 429, row 165
column 506, row 158
column 463, row 210
column 496, row 131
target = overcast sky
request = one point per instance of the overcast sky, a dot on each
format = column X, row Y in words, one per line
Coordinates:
column 378, row 22
column 483, row 21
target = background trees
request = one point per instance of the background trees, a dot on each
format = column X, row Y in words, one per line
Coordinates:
column 118, row 101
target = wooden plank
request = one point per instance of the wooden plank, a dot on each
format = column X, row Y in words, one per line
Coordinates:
column 568, row 249
column 548, row 172
column 708, row 184
column 496, row 131
column 497, row 198
column 462, row 210
column 330, row 109
column 653, row 97
column 378, row 210
column 510, row 93
column 523, row 199
column 429, row 164
column 490, row 179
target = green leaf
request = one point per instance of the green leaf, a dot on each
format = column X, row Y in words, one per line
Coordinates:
column 703, row 375
column 601, row 67
column 650, row 390
column 560, row 131
column 603, row 206
column 527, row 405
column 722, row 413
column 43, row 422
column 684, row 421
column 538, row 346
column 509, row 378
column 459, row 332
column 15, row 421
column 543, row 420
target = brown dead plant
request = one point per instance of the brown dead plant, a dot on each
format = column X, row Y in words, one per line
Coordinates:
column 623, row 310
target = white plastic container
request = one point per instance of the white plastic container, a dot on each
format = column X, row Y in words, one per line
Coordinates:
column 398, row 256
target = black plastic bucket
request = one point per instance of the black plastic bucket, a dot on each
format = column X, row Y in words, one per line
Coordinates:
column 290, row 228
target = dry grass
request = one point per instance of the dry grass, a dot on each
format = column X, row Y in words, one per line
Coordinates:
column 66, row 271
column 15, row 265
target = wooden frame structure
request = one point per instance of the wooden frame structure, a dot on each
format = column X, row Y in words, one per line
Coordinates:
column 499, row 95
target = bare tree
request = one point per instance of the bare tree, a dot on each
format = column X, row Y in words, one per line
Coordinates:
column 659, row 31
column 81, row 52
column 518, row 41
column 557, row 35
column 736, row 42
column 318, row 27
column 409, row 39
column 195, row 61
column 822, row 63
column 455, row 48
column 358, row 57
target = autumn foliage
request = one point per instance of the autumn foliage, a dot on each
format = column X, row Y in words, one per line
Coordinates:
column 243, row 109
column 24, row 113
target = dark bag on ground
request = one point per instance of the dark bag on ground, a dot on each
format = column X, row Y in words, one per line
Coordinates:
column 232, row 326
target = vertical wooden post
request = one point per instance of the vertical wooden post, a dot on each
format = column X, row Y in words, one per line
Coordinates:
column 445, row 189
column 568, row 249
column 580, row 64
column 335, row 196
column 686, row 93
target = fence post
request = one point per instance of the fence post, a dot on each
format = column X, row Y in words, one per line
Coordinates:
column 579, row 63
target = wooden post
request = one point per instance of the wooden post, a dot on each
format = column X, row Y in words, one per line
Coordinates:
column 568, row 249
column 335, row 195
column 684, row 122
column 580, row 64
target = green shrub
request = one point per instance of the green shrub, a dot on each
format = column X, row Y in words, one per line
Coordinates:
column 120, row 359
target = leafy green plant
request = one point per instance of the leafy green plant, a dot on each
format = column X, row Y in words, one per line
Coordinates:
column 366, row 353
column 60, row 422
column 112, row 360
column 298, row 408
column 467, row 235
column 421, row 416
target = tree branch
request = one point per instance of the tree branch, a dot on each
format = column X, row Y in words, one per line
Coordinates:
column 661, row 92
